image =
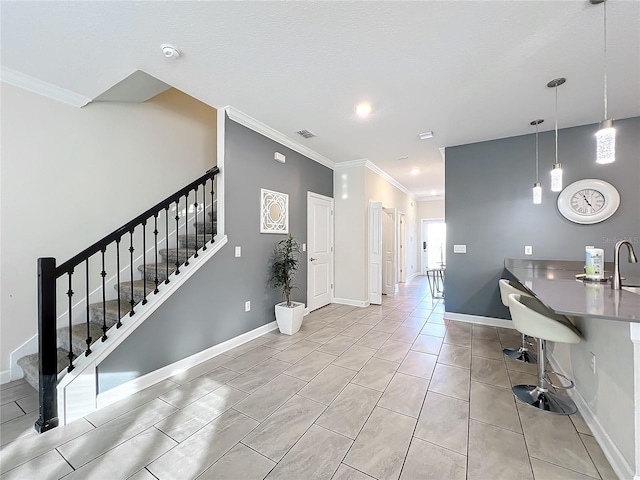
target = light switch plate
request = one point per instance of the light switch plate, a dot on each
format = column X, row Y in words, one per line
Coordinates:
column 528, row 250
column 238, row 251
column 459, row 249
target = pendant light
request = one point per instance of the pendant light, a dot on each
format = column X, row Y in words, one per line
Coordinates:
column 556, row 171
column 606, row 135
column 537, row 187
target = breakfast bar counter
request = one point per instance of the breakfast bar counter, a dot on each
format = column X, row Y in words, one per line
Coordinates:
column 554, row 283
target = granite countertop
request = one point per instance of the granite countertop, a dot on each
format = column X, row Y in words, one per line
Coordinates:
column 554, row 283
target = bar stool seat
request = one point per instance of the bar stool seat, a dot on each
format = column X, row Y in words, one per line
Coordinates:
column 534, row 319
column 522, row 353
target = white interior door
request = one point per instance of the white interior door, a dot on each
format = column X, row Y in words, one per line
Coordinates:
column 375, row 253
column 402, row 249
column 389, row 270
column 319, row 250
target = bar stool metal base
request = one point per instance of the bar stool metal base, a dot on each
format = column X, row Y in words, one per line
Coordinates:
column 521, row 355
column 544, row 400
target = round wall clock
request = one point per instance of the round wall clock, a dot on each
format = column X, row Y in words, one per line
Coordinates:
column 588, row 201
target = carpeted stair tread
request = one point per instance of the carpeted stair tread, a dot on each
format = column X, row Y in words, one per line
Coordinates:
column 180, row 253
column 138, row 290
column 29, row 365
column 189, row 240
column 79, row 333
column 162, row 271
column 206, row 228
column 111, row 307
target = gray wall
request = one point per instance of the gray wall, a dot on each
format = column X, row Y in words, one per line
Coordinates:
column 488, row 207
column 209, row 308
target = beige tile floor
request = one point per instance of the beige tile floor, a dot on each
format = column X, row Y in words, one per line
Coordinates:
column 386, row 392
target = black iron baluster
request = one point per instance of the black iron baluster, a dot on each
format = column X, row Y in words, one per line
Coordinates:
column 155, row 243
column 87, row 352
column 186, row 229
column 103, row 274
column 70, row 295
column 144, row 262
column 166, row 239
column 195, row 206
column 204, row 215
column 119, row 324
column 212, row 204
column 131, row 250
column 177, row 272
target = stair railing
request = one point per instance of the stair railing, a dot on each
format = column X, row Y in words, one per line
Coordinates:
column 48, row 275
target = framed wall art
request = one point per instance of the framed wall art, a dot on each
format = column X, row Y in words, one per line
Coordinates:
column 274, row 208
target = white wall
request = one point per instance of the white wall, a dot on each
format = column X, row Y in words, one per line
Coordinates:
column 354, row 187
column 350, row 223
column 431, row 209
column 70, row 176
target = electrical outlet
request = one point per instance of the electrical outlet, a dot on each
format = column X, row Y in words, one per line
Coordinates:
column 238, row 251
column 528, row 250
column 247, row 306
column 304, row 247
column 593, row 363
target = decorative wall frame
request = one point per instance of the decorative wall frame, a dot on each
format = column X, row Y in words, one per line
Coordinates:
column 274, row 212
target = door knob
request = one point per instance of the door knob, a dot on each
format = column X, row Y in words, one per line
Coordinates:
column 312, row 259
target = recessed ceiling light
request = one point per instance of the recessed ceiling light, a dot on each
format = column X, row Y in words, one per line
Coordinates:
column 363, row 110
column 426, row 135
column 415, row 171
column 434, row 192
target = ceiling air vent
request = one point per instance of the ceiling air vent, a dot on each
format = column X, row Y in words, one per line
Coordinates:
column 306, row 133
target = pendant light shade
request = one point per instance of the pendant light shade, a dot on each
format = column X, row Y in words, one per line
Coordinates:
column 556, row 171
column 606, row 135
column 537, row 187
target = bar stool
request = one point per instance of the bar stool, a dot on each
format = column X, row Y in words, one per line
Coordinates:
column 522, row 354
column 532, row 318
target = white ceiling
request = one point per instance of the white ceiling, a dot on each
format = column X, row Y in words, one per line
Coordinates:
column 468, row 70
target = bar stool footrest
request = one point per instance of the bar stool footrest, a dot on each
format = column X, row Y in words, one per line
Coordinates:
column 521, row 355
column 560, row 375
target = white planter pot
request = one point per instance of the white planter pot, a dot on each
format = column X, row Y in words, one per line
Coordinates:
column 289, row 318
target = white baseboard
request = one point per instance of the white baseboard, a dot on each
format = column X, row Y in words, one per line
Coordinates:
column 412, row 276
column 351, row 303
column 5, row 376
column 27, row 348
column 493, row 322
column 615, row 457
column 126, row 389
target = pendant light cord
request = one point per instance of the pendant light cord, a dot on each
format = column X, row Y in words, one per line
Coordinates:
column 556, row 124
column 537, row 179
column 605, row 60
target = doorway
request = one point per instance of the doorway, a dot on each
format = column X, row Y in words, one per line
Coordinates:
column 433, row 236
column 389, row 242
column 319, row 251
column 402, row 249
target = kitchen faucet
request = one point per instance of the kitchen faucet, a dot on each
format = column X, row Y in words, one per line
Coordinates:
column 616, row 281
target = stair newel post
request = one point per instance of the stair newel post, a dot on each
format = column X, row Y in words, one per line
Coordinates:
column 195, row 215
column 166, row 242
column 119, row 324
column 155, row 243
column 177, row 218
column 47, row 345
column 132, row 302
column 144, row 262
column 212, row 205
column 87, row 352
column 103, row 274
column 204, row 215
column 71, row 355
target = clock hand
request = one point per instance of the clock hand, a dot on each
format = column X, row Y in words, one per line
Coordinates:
column 585, row 199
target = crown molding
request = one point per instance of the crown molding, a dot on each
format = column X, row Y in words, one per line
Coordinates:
column 35, row 85
column 365, row 162
column 430, row 198
column 259, row 127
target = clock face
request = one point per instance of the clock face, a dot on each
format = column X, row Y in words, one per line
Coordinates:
column 588, row 201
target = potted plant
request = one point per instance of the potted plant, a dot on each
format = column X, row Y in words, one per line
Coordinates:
column 283, row 271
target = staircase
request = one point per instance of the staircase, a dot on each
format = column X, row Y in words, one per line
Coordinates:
column 109, row 316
